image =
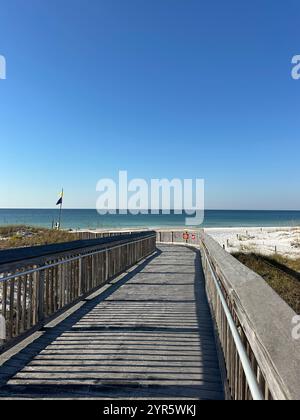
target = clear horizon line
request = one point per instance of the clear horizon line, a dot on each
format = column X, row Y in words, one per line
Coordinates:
column 93, row 209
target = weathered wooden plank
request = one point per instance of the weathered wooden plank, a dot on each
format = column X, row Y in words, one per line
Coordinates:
column 152, row 331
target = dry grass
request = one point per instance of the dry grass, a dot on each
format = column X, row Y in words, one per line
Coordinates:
column 288, row 262
column 17, row 236
column 281, row 273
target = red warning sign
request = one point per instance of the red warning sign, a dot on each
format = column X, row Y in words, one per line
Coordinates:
column 186, row 236
column 193, row 236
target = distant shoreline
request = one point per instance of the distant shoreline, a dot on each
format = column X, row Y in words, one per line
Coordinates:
column 236, row 229
column 280, row 240
column 90, row 219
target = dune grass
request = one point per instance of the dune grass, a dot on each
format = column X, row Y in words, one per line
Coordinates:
column 288, row 262
column 281, row 273
column 16, row 236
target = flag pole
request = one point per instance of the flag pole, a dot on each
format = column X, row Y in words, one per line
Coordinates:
column 60, row 208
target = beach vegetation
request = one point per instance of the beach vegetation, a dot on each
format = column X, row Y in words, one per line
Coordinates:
column 281, row 273
column 17, row 236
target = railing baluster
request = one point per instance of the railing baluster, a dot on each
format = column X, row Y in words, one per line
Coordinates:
column 41, row 295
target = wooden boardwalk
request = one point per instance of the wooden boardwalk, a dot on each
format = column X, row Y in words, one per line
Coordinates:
column 146, row 335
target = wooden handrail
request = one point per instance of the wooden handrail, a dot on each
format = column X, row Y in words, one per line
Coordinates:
column 41, row 285
column 263, row 319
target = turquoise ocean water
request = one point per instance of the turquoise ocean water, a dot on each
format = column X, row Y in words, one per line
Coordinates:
column 76, row 219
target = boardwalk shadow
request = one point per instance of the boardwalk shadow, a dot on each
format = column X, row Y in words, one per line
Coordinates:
column 203, row 312
column 22, row 358
column 136, row 341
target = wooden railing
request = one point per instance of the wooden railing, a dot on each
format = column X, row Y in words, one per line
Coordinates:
column 178, row 236
column 89, row 234
column 36, row 283
column 242, row 382
column 254, row 325
column 260, row 357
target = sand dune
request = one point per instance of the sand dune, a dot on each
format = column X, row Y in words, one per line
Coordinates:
column 267, row 241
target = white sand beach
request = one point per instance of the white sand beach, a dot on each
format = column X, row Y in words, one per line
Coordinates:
column 267, row 241
column 284, row 241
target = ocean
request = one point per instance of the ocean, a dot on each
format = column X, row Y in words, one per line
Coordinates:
column 81, row 219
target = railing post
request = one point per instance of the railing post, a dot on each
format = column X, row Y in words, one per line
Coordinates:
column 80, row 276
column 35, row 298
column 41, row 288
column 106, row 265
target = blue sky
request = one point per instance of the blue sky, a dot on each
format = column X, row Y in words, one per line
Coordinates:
column 161, row 88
